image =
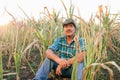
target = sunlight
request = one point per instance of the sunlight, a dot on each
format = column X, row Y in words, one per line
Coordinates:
column 4, row 20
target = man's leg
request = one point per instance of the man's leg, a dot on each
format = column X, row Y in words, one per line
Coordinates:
column 80, row 71
column 43, row 72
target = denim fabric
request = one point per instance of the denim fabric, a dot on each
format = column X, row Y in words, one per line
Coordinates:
column 48, row 65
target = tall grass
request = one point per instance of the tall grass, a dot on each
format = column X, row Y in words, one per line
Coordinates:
column 97, row 45
column 1, row 66
column 75, row 64
column 20, row 38
column 16, row 39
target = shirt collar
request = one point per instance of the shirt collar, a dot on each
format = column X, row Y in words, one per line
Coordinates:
column 66, row 39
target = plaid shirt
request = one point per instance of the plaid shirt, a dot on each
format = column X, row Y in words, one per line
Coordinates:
column 64, row 50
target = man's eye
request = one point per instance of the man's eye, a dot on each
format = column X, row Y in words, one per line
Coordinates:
column 71, row 25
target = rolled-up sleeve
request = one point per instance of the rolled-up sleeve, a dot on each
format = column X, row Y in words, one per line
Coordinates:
column 82, row 44
column 54, row 47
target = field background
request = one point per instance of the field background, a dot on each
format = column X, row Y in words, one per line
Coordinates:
column 23, row 44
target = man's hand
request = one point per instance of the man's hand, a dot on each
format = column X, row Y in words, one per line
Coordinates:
column 70, row 61
column 63, row 63
column 58, row 70
column 80, row 58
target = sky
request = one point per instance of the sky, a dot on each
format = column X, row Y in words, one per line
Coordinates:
column 33, row 8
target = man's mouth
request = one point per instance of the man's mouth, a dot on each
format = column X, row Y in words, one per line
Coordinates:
column 69, row 31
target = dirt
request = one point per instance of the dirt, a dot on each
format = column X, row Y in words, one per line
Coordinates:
column 26, row 72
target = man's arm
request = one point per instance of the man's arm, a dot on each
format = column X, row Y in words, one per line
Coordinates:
column 80, row 57
column 62, row 63
column 51, row 55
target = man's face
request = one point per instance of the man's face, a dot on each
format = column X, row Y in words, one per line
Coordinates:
column 69, row 29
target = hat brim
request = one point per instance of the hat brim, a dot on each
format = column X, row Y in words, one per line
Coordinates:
column 69, row 21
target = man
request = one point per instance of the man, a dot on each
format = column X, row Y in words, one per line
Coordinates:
column 60, row 55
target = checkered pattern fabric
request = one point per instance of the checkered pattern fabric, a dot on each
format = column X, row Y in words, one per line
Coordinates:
column 64, row 50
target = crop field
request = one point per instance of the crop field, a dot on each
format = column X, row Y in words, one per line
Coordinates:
column 23, row 44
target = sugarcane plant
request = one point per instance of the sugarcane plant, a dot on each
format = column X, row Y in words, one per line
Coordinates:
column 97, row 38
column 1, row 66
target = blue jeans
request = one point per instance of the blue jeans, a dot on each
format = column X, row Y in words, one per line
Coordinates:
column 47, row 66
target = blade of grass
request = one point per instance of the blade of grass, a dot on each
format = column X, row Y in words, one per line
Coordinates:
column 1, row 67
